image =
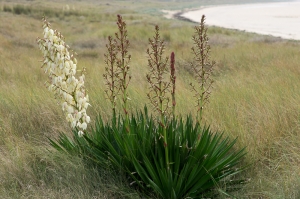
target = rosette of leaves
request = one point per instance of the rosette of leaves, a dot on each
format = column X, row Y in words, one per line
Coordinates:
column 202, row 163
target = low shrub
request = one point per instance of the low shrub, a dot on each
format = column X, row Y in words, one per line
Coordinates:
column 20, row 9
column 7, row 8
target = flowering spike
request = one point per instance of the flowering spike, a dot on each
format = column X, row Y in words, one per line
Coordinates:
column 111, row 73
column 173, row 80
column 61, row 68
column 202, row 67
column 123, row 60
column 159, row 87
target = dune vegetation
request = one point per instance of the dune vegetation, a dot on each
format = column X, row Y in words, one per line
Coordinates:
column 255, row 97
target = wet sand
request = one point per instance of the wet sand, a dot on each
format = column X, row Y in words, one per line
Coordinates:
column 276, row 19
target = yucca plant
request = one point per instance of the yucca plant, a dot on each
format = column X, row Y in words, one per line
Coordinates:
column 201, row 161
column 176, row 159
column 172, row 156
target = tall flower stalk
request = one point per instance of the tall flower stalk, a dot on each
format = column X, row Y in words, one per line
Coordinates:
column 61, row 67
column 202, row 68
column 173, row 81
column 111, row 74
column 117, row 75
column 122, row 61
column 158, row 85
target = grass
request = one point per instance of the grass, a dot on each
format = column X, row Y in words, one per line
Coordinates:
column 256, row 97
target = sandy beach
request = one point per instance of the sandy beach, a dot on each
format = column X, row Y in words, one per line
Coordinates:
column 281, row 19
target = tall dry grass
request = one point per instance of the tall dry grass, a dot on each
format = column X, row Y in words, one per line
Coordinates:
column 256, row 99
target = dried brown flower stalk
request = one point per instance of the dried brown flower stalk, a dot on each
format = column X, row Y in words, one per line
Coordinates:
column 202, row 67
column 156, row 77
column 111, row 74
column 117, row 71
column 123, row 59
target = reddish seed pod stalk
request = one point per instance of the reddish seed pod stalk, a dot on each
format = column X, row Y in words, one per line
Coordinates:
column 173, row 80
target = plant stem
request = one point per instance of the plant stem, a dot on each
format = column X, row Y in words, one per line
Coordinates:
column 124, row 73
column 123, row 65
column 202, row 90
column 163, row 124
column 111, row 74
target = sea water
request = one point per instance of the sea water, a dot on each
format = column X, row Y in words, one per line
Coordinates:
column 281, row 19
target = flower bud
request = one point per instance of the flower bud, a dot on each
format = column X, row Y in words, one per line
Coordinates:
column 87, row 119
column 80, row 133
column 83, row 125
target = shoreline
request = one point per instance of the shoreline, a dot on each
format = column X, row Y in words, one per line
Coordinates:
column 176, row 14
column 279, row 19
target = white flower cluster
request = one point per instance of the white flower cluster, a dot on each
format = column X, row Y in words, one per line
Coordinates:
column 61, row 68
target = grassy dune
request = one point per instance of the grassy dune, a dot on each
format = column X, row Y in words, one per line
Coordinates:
column 256, row 97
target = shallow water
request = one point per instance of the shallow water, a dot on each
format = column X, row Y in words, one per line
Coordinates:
column 281, row 19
